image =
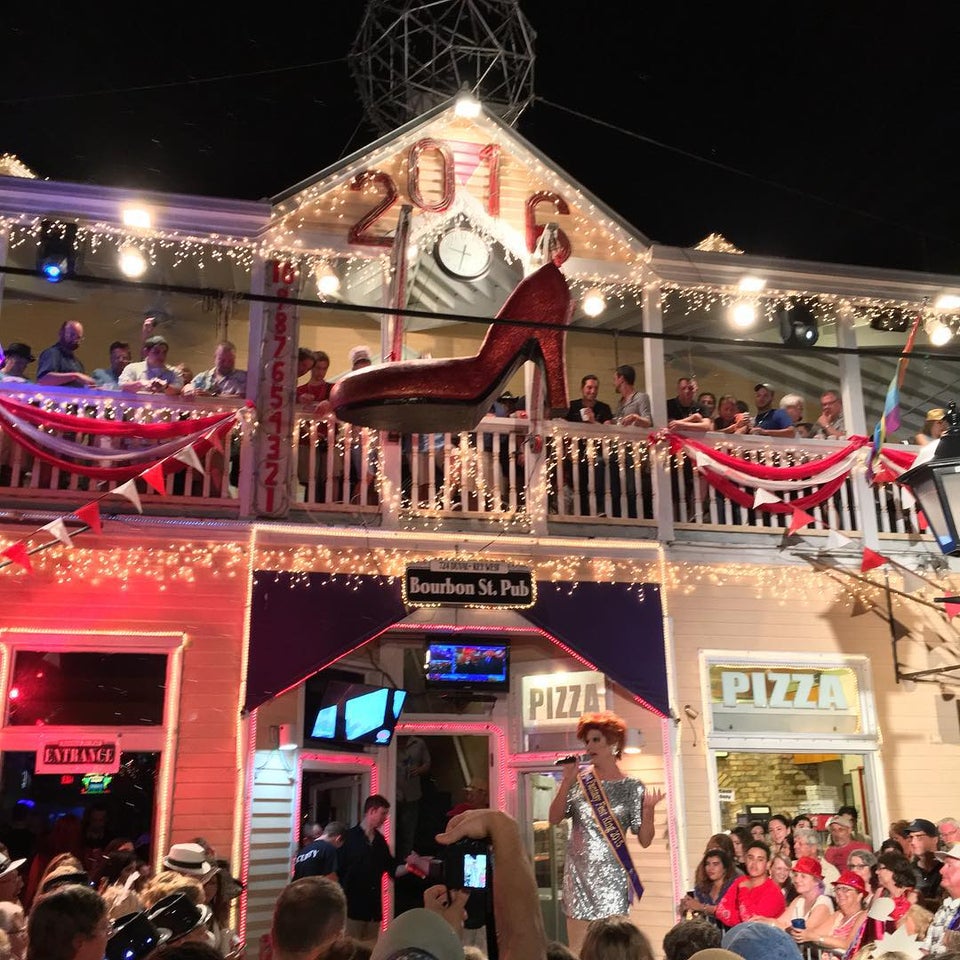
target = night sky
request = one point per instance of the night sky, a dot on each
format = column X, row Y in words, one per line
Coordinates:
column 817, row 131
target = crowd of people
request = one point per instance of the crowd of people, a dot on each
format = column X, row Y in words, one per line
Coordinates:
column 768, row 890
column 83, row 902
column 836, row 897
column 59, row 365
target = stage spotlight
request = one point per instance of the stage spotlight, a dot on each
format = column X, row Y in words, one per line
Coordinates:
column 57, row 253
column 798, row 325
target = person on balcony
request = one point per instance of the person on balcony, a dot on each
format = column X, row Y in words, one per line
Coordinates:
column 683, row 410
column 634, row 407
column 59, row 365
column 223, row 379
column 770, row 421
column 152, row 375
column 829, row 425
column 632, row 411
column 588, row 409
column 317, row 387
column 108, row 378
column 934, row 426
column 18, row 357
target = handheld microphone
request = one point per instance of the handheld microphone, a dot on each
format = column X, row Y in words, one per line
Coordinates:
column 571, row 758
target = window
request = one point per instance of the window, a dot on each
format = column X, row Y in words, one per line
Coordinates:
column 92, row 689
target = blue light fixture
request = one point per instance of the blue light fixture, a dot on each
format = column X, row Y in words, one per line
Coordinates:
column 57, row 253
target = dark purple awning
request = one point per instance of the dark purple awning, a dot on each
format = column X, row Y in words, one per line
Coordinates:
column 297, row 628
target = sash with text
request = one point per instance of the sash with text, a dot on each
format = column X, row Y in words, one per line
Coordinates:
column 609, row 826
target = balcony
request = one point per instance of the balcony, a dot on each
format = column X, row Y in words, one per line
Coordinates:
column 560, row 479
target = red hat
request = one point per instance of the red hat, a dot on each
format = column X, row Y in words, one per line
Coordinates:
column 850, row 879
column 809, row 865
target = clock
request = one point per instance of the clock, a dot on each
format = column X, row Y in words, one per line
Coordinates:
column 463, row 254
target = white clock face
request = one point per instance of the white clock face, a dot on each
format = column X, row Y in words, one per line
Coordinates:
column 463, row 254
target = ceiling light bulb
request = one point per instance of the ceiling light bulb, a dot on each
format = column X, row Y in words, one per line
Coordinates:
column 751, row 284
column 947, row 301
column 138, row 217
column 593, row 302
column 133, row 263
column 466, row 105
column 743, row 315
column 940, row 334
column 328, row 283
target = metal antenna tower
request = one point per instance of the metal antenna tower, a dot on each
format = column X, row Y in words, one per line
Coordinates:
column 410, row 55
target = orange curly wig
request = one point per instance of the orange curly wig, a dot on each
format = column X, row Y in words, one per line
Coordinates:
column 608, row 723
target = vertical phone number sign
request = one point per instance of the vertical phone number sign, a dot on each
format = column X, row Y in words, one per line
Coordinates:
column 278, row 378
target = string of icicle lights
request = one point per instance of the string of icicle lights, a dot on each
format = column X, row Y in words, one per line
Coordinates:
column 198, row 563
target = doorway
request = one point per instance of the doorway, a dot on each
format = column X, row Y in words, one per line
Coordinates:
column 327, row 795
column 464, row 758
column 548, row 845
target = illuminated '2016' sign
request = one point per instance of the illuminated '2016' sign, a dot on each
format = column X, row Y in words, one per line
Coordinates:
column 360, row 232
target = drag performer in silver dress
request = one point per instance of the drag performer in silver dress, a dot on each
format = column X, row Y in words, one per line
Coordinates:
column 595, row 883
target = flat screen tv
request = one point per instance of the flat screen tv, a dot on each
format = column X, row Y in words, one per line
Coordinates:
column 467, row 663
column 343, row 713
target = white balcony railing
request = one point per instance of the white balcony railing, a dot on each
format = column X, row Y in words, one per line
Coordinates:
column 561, row 472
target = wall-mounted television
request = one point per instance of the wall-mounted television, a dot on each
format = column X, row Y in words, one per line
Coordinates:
column 341, row 713
column 466, row 663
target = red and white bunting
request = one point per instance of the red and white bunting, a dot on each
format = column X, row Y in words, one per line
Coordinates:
column 762, row 496
column 129, row 490
column 59, row 529
column 189, row 456
column 90, row 514
column 17, row 553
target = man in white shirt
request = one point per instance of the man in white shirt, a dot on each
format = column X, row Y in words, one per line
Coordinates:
column 943, row 934
column 152, row 375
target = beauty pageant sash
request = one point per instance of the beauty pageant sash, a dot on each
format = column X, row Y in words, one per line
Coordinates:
column 609, row 826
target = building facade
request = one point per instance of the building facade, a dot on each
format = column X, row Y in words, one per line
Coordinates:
column 759, row 668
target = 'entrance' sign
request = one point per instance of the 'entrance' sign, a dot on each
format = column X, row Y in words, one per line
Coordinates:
column 78, row 756
column 468, row 583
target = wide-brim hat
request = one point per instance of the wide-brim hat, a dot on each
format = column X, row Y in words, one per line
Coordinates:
column 419, row 930
column 64, row 876
column 134, row 936
column 952, row 852
column 937, row 413
column 189, row 859
column 808, row 865
column 7, row 866
column 178, row 914
column 850, row 879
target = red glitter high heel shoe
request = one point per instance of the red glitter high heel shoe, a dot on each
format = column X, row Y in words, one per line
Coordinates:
column 444, row 395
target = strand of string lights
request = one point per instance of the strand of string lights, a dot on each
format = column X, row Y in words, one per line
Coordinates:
column 340, row 307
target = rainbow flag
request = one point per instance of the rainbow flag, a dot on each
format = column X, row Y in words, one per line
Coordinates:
column 889, row 421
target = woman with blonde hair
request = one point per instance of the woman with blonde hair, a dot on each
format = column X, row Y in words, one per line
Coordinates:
column 599, row 879
column 167, row 882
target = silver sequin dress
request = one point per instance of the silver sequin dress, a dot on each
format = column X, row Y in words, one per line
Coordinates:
column 595, row 884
